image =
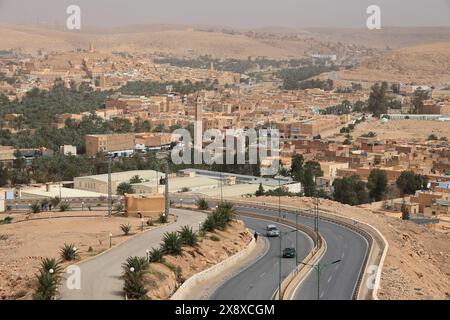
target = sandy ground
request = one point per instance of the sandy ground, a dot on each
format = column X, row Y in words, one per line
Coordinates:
column 27, row 241
column 417, row 264
column 162, row 281
column 403, row 130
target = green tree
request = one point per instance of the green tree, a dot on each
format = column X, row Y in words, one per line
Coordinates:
column 408, row 182
column 136, row 179
column 297, row 167
column 377, row 184
column 260, row 190
column 124, row 187
column 377, row 103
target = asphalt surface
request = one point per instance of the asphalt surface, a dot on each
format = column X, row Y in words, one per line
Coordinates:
column 337, row 281
column 100, row 276
column 261, row 279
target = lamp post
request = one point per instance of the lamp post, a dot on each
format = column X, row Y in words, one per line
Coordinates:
column 319, row 268
column 148, row 255
column 164, row 155
column 181, row 202
column 82, row 205
column 142, row 224
column 110, row 240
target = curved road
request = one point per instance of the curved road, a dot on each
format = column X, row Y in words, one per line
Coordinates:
column 260, row 280
column 100, row 276
column 337, row 282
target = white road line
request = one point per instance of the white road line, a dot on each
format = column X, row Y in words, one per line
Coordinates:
column 343, row 254
column 337, row 266
column 329, row 279
column 262, row 274
column 321, row 295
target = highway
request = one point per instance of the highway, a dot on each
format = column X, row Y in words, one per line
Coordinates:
column 338, row 281
column 260, row 280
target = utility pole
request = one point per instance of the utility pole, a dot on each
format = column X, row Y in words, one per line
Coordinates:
column 279, row 196
column 280, row 297
column 319, row 267
column 296, row 239
column 316, row 215
column 221, row 188
column 166, row 188
column 109, row 186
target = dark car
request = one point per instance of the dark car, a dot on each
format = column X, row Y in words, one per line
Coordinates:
column 289, row 253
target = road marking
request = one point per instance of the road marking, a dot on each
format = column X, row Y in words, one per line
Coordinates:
column 321, row 295
column 337, row 266
column 345, row 246
column 262, row 274
column 343, row 254
column 329, row 279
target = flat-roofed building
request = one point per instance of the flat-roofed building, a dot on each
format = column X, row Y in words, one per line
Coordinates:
column 109, row 143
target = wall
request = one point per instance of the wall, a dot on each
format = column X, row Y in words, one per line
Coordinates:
column 150, row 206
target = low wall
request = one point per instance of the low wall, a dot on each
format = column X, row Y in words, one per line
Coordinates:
column 183, row 291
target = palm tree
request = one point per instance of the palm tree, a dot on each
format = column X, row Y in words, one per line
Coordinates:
column 202, row 204
column 172, row 243
column 126, row 228
column 68, row 252
column 188, row 236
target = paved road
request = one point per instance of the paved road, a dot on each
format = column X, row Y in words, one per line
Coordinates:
column 338, row 282
column 100, row 277
column 260, row 280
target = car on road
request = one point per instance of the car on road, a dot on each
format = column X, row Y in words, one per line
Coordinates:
column 289, row 252
column 272, row 231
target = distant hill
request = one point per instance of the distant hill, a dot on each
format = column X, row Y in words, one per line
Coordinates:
column 423, row 64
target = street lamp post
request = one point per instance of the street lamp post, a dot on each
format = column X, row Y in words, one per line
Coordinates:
column 163, row 155
column 142, row 224
column 148, row 255
column 110, row 240
column 319, row 268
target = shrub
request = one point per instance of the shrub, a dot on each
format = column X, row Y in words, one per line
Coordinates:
column 202, row 204
column 133, row 286
column 209, row 224
column 68, row 252
column 6, row 220
column 126, row 228
column 172, row 243
column 139, row 264
column 162, row 218
column 47, row 284
column 185, row 189
column 48, row 264
column 188, row 236
column 47, row 279
column 156, row 255
column 64, row 207
column 35, row 207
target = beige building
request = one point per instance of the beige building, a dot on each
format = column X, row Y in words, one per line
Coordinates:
column 96, row 143
column 150, row 206
column 7, row 154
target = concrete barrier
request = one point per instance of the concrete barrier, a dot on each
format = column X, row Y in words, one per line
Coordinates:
column 183, row 291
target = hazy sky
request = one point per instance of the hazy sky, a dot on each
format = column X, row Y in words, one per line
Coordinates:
column 238, row 13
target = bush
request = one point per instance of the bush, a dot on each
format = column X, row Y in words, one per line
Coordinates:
column 47, row 279
column 188, row 236
column 35, row 207
column 47, row 284
column 209, row 224
column 185, row 189
column 139, row 264
column 133, row 286
column 126, row 228
column 6, row 220
column 156, row 255
column 202, row 204
column 172, row 243
column 68, row 252
column 64, row 207
column 50, row 264
column 162, row 218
